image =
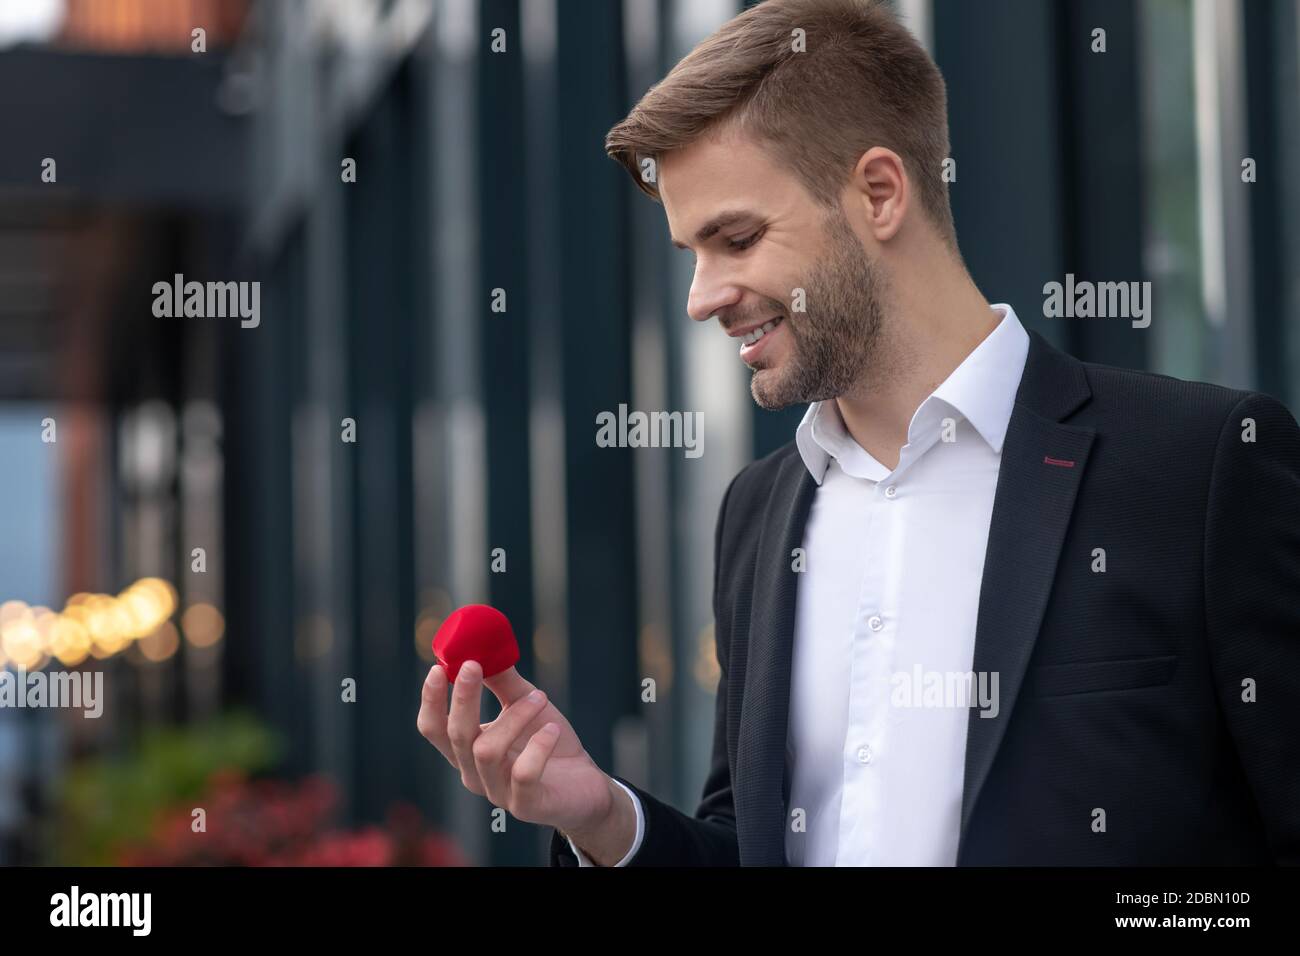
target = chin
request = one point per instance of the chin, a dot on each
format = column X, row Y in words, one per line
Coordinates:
column 764, row 391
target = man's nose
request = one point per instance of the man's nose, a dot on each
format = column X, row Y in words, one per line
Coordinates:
column 709, row 293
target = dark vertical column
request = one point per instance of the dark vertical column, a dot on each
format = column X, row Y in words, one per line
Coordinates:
column 323, row 478
column 1270, row 32
column 1100, row 139
column 999, row 61
column 433, row 773
column 380, row 325
column 503, row 211
column 287, row 677
column 259, row 662
column 237, row 673
column 506, row 176
column 595, row 321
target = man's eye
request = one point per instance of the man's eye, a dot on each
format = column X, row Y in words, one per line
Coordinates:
column 746, row 242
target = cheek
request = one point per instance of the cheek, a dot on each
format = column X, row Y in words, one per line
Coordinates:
column 791, row 330
column 783, row 298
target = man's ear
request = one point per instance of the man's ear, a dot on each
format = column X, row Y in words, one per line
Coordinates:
column 880, row 179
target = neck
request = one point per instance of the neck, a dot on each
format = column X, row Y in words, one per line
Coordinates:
column 938, row 318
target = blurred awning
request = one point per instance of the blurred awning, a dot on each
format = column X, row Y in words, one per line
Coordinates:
column 138, row 26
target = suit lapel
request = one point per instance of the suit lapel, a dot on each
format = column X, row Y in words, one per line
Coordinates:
column 760, row 751
column 1042, row 465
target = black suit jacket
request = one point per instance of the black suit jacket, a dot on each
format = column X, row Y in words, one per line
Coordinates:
column 1120, row 690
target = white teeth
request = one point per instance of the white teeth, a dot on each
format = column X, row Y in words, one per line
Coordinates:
column 752, row 337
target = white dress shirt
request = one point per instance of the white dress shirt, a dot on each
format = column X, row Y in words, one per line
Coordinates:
column 887, row 604
column 636, row 844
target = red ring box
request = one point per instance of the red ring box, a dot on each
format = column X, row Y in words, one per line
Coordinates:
column 476, row 632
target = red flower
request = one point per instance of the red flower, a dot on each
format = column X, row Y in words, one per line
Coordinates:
column 274, row 823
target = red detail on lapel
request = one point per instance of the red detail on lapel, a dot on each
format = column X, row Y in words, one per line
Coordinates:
column 1049, row 460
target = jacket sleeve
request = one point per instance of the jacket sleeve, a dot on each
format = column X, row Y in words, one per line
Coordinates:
column 672, row 838
column 1252, row 595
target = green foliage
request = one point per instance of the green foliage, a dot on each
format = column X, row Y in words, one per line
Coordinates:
column 109, row 800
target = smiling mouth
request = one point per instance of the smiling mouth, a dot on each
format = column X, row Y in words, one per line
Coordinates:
column 753, row 345
column 752, row 337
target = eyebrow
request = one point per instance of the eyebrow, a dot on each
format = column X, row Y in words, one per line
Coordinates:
column 720, row 221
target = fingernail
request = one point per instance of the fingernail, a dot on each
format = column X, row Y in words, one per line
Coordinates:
column 534, row 696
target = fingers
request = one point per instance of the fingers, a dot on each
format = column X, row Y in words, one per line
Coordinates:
column 495, row 757
column 463, row 726
column 498, row 746
column 526, row 774
column 432, row 720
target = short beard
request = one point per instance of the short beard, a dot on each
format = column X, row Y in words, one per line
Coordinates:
column 839, row 339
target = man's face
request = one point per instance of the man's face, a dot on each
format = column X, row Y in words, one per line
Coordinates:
column 749, row 266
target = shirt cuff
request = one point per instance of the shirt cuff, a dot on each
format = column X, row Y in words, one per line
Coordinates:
column 636, row 844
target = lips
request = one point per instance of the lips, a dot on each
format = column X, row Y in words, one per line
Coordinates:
column 753, row 341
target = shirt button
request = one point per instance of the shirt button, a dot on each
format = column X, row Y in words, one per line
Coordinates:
column 864, row 755
column 875, row 623
column 891, row 491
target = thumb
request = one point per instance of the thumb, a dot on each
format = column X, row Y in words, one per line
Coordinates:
column 508, row 686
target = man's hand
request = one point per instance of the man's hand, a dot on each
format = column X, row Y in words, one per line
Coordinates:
column 528, row 761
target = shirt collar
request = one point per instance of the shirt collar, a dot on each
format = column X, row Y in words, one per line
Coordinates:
column 982, row 389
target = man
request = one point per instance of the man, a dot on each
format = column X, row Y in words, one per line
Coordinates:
column 992, row 605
